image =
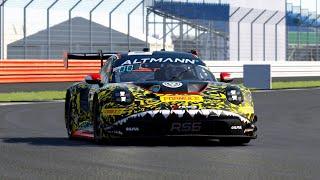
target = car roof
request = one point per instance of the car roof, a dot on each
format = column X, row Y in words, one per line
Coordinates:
column 157, row 57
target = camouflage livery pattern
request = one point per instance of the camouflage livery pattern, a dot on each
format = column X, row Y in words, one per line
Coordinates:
column 211, row 100
column 80, row 116
column 214, row 97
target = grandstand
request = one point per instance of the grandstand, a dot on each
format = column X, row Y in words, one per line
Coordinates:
column 216, row 29
column 214, row 19
column 303, row 38
column 210, row 27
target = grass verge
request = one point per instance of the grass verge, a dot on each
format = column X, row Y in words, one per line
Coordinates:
column 32, row 96
column 295, row 84
column 60, row 95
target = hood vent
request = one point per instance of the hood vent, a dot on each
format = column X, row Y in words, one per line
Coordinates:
column 196, row 87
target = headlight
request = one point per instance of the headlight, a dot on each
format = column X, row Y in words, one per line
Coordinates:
column 122, row 96
column 234, row 95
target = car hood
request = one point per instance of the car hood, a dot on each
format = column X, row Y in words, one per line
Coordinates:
column 180, row 95
column 173, row 87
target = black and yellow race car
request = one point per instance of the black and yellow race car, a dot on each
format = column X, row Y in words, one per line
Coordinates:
column 157, row 94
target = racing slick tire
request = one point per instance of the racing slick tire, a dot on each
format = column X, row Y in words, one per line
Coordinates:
column 234, row 141
column 98, row 134
column 68, row 116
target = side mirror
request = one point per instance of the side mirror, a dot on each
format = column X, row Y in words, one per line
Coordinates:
column 225, row 77
column 93, row 79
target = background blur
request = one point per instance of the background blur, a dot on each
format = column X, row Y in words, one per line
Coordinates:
column 236, row 30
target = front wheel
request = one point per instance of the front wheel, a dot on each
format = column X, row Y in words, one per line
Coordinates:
column 98, row 134
column 68, row 116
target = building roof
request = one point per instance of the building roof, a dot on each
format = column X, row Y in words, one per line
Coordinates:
column 80, row 34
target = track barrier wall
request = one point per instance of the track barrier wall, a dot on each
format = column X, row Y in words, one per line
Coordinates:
column 278, row 69
column 31, row 71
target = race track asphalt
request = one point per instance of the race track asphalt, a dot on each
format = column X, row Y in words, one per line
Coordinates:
column 33, row 145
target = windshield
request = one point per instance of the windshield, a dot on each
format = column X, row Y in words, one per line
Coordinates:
column 161, row 72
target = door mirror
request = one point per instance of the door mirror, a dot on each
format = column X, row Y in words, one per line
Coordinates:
column 93, row 79
column 225, row 77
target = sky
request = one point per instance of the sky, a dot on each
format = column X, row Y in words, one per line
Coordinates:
column 306, row 4
column 36, row 14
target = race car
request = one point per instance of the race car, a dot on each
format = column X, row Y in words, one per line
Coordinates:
column 157, row 94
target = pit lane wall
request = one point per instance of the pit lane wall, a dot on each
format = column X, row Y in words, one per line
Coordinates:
column 29, row 71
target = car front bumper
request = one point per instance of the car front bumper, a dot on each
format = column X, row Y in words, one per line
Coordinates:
column 206, row 123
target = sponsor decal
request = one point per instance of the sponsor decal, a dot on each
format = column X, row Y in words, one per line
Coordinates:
column 236, row 127
column 188, row 107
column 132, row 129
column 127, row 68
column 172, row 84
column 159, row 60
column 114, row 111
column 186, row 127
column 185, row 98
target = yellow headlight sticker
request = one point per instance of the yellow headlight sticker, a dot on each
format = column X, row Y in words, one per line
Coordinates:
column 114, row 111
column 181, row 98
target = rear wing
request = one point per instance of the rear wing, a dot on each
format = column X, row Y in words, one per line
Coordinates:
column 86, row 56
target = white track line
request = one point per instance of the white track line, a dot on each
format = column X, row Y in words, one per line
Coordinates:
column 280, row 90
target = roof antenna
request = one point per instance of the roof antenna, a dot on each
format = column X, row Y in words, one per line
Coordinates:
column 146, row 49
column 194, row 52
